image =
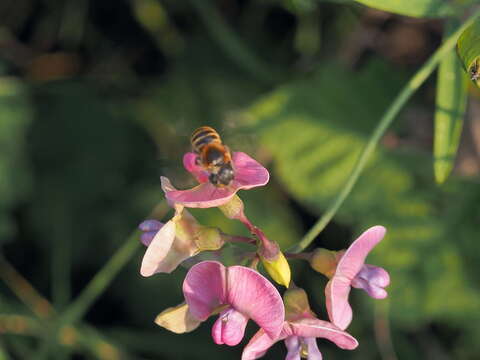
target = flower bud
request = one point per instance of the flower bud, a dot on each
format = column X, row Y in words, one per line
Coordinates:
column 296, row 304
column 278, row 269
column 325, row 261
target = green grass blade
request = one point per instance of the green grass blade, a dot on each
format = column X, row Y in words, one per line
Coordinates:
column 451, row 102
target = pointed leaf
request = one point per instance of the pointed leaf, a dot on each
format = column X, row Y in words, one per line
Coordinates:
column 450, row 109
column 415, row 8
column 468, row 48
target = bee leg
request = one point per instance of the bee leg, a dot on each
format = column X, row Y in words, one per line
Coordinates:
column 213, row 179
column 197, row 161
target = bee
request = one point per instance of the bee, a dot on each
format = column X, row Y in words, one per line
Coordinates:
column 213, row 155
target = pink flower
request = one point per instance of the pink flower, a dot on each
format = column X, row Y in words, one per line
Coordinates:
column 352, row 271
column 238, row 293
column 248, row 174
column 299, row 331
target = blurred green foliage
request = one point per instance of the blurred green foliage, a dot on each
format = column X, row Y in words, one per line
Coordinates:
column 97, row 99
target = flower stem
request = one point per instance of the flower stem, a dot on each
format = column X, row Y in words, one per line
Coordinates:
column 409, row 89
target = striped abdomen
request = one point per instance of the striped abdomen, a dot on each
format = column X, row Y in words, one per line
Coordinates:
column 203, row 136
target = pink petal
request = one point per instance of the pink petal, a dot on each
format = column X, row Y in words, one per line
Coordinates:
column 189, row 162
column 254, row 296
column 372, row 279
column 336, row 296
column 158, row 249
column 293, row 345
column 229, row 328
column 257, row 346
column 248, row 172
column 315, row 328
column 312, row 349
column 204, row 195
column 354, row 258
column 204, row 288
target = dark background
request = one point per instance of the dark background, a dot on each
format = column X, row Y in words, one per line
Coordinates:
column 99, row 98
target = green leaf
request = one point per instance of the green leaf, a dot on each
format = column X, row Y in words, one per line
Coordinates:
column 315, row 130
column 468, row 47
column 415, row 8
column 451, row 102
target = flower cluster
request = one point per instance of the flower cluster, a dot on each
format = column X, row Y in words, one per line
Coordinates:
column 239, row 293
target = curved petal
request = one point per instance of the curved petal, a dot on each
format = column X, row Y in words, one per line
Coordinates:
column 293, row 345
column 372, row 279
column 254, row 296
column 354, row 258
column 312, row 349
column 147, row 237
column 204, row 195
column 258, row 346
column 190, row 164
column 336, row 296
column 248, row 172
column 177, row 319
column 204, row 288
column 150, row 225
column 158, row 249
column 229, row 328
column 315, row 328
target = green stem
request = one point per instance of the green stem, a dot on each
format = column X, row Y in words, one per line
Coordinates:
column 231, row 44
column 77, row 309
column 415, row 82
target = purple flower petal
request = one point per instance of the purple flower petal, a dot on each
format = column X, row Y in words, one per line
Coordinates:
column 229, row 327
column 293, row 347
column 372, row 279
column 158, row 249
column 248, row 174
column 147, row 237
column 150, row 225
column 312, row 349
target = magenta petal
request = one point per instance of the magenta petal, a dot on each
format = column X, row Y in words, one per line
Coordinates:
column 293, row 347
column 204, row 195
column 257, row 346
column 158, row 249
column 254, row 296
column 204, row 288
column 229, row 328
column 336, row 296
column 248, row 172
column 189, row 162
column 354, row 258
column 315, row 328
